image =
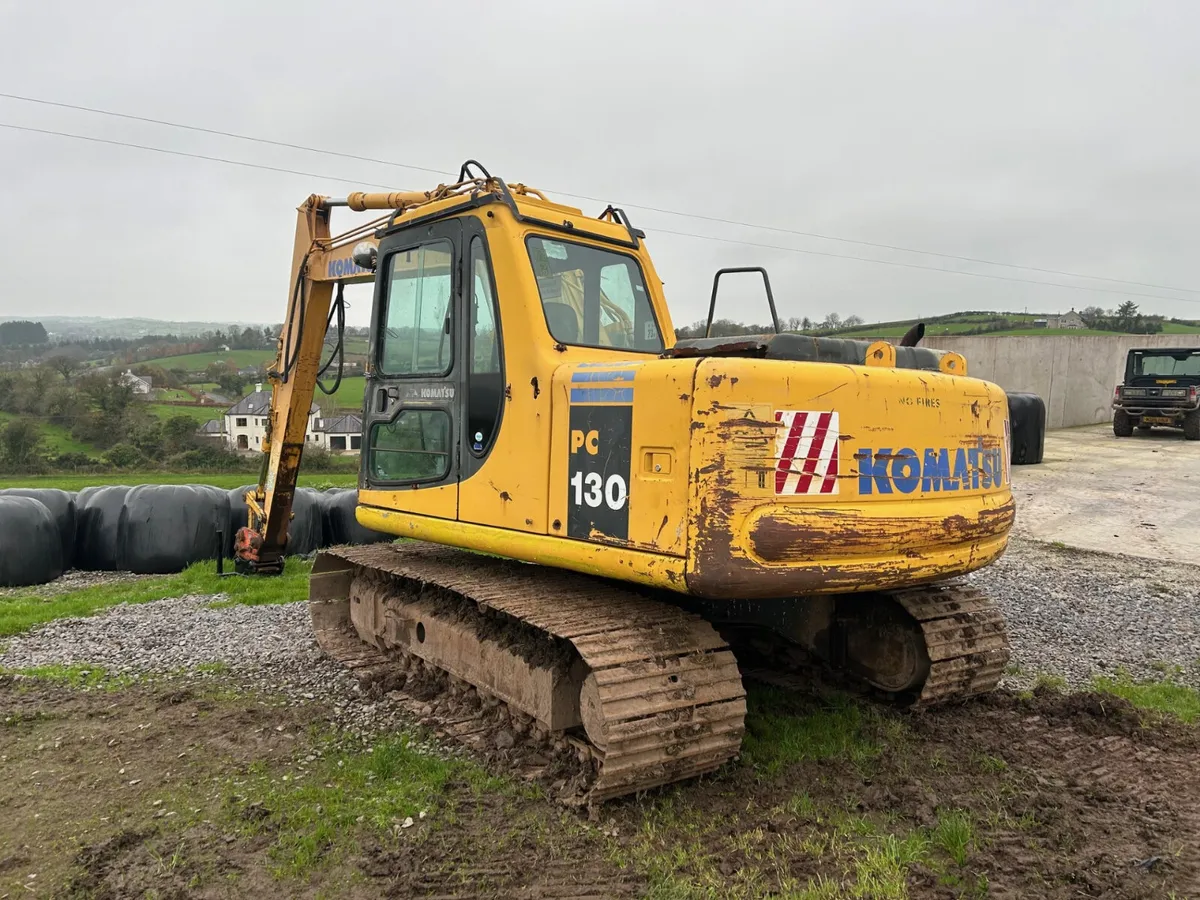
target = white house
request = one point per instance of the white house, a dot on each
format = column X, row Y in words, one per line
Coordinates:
column 246, row 421
column 340, row 435
column 140, row 384
column 1067, row 320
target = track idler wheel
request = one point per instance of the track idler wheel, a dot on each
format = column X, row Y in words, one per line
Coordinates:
column 882, row 644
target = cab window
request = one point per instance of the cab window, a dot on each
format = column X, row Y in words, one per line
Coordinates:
column 415, row 322
column 593, row 297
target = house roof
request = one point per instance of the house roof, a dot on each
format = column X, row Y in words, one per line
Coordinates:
column 257, row 404
column 213, row 426
column 348, row 424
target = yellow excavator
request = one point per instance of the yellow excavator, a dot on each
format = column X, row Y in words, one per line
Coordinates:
column 594, row 512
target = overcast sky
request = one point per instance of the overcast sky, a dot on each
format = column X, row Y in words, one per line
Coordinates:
column 1047, row 134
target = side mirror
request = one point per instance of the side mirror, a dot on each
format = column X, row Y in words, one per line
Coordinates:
column 365, row 255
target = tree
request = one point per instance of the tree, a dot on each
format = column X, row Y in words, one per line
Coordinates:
column 1091, row 315
column 16, row 333
column 1127, row 315
column 21, row 441
column 178, row 434
column 853, row 321
column 64, row 366
column 833, row 320
column 231, row 383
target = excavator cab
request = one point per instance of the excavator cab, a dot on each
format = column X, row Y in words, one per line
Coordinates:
column 526, row 399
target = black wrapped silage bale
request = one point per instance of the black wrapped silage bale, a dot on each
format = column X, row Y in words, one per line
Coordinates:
column 98, row 527
column 167, row 527
column 306, row 530
column 62, row 507
column 341, row 525
column 1027, row 422
column 30, row 543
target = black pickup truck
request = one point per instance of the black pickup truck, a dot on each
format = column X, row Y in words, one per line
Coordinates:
column 1161, row 387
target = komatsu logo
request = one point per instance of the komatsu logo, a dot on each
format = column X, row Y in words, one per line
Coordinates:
column 340, row 268
column 934, row 469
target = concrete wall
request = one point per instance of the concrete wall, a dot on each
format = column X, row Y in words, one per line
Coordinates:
column 1074, row 374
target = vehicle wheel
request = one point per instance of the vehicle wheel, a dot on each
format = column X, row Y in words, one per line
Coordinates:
column 1191, row 426
column 1122, row 424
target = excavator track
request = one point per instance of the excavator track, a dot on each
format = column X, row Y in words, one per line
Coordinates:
column 916, row 647
column 639, row 692
column 965, row 638
column 658, row 695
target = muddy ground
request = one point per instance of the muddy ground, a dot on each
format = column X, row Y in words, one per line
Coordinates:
column 178, row 790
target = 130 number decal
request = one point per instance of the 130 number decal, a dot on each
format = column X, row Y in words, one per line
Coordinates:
column 614, row 492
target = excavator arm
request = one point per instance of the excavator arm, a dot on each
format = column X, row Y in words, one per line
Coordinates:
column 319, row 263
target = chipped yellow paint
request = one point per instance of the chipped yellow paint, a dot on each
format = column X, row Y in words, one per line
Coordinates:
column 621, row 563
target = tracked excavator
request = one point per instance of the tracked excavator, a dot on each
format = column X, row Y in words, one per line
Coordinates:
column 588, row 513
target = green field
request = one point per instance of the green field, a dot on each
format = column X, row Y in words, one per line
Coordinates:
column 201, row 414
column 349, row 394
column 172, row 394
column 197, row 362
column 57, row 438
column 237, row 479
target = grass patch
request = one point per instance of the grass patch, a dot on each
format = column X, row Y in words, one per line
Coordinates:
column 200, row 414
column 858, row 856
column 783, row 728
column 955, row 835
column 76, row 676
column 198, row 362
column 315, row 816
column 349, row 394
column 237, row 479
column 56, row 438
column 990, row 764
column 22, row 611
column 1046, row 682
column 1164, row 696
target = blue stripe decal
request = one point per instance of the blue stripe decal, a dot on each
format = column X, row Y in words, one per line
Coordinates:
column 598, row 375
column 601, row 395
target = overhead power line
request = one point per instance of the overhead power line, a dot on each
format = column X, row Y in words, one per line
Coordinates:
column 655, row 209
column 216, row 159
column 686, row 234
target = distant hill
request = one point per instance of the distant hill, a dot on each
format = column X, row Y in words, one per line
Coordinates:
column 86, row 327
column 989, row 323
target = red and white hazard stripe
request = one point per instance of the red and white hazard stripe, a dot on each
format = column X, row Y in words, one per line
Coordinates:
column 807, row 449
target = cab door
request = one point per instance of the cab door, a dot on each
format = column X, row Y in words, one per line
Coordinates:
column 412, row 441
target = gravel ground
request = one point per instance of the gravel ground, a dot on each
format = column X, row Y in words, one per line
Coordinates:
column 271, row 647
column 1070, row 613
column 1078, row 614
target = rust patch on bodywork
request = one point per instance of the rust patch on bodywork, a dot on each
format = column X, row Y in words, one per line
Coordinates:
column 714, row 381
column 770, row 424
column 733, row 348
column 797, row 535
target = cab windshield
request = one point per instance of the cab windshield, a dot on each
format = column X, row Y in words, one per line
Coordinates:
column 593, row 297
column 1166, row 363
